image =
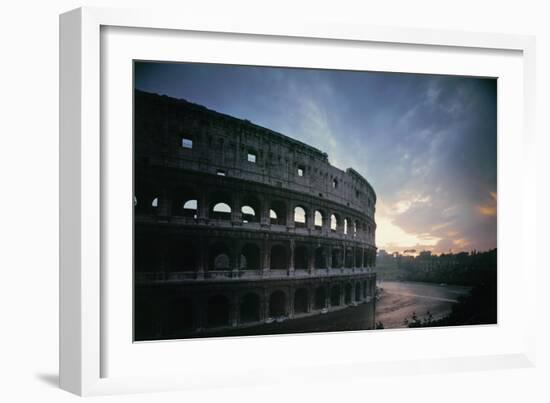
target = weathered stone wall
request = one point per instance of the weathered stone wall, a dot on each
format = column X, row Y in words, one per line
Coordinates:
column 215, row 251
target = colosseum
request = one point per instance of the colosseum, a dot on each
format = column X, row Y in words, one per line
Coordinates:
column 237, row 226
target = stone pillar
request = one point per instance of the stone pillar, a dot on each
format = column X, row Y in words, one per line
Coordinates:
column 311, row 259
column 343, row 256
column 327, row 295
column 266, row 303
column 290, row 216
column 234, row 310
column 236, row 215
column 290, row 303
column 265, row 221
column 267, row 255
column 310, row 298
column 202, row 258
column 203, row 208
column 165, row 203
column 310, row 219
column 342, row 294
column 291, row 258
column 329, row 257
column 236, row 260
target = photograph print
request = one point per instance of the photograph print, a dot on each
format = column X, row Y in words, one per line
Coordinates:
column 277, row 200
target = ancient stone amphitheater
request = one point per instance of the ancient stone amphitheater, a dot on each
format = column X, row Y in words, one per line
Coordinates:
column 237, row 225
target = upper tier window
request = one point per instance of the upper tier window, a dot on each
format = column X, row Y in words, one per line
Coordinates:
column 251, row 157
column 301, row 170
column 335, row 183
column 187, row 142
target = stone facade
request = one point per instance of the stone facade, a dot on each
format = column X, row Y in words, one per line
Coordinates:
column 236, row 225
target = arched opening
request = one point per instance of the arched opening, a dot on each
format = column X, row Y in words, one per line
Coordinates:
column 335, row 295
column 250, row 209
column 220, row 257
column 221, row 211
column 277, row 304
column 300, row 301
column 320, row 297
column 358, row 255
column 277, row 213
column 333, row 222
column 300, row 218
column 278, row 258
column 349, row 258
column 184, row 202
column 320, row 258
column 346, row 223
column 184, row 256
column 218, row 311
column 336, row 258
column 155, row 203
column 347, row 295
column 365, row 289
column 250, row 308
column 318, row 220
column 250, row 257
column 179, row 316
column 365, row 259
column 358, row 291
column 301, row 257
column 190, row 208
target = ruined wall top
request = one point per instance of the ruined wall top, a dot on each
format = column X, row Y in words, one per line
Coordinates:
column 179, row 134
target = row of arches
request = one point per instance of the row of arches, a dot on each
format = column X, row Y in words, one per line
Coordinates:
column 250, row 209
column 223, row 255
column 220, row 310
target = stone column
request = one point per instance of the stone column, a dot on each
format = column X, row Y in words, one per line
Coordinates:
column 311, row 259
column 234, row 310
column 266, row 303
column 203, row 208
column 310, row 219
column 267, row 255
column 202, row 258
column 264, row 213
column 329, row 257
column 327, row 295
column 291, row 258
column 165, row 203
column 236, row 215
column 290, row 303
column 311, row 298
column 290, row 216
column 342, row 294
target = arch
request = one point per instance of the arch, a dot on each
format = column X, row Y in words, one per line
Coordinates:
column 318, row 219
column 301, row 257
column 337, row 258
column 358, row 254
column 355, row 227
column 190, row 208
column 334, row 222
column 179, row 315
column 220, row 257
column 184, row 202
column 277, row 213
column 320, row 297
column 279, row 260
column 250, row 308
column 365, row 258
column 358, row 291
column 250, row 209
column 365, row 289
column 320, row 258
column 277, row 304
column 301, row 300
column 217, row 311
column 184, row 256
column 346, row 226
column 300, row 217
column 335, row 295
column 347, row 294
column 348, row 258
column 155, row 202
column 250, row 257
column 220, row 206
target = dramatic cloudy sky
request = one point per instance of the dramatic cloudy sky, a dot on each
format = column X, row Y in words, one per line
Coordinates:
column 426, row 143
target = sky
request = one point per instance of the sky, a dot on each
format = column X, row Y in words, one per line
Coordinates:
column 426, row 143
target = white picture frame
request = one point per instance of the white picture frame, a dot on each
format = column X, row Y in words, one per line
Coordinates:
column 85, row 309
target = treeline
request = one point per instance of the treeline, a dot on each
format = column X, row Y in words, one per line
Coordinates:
column 470, row 269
